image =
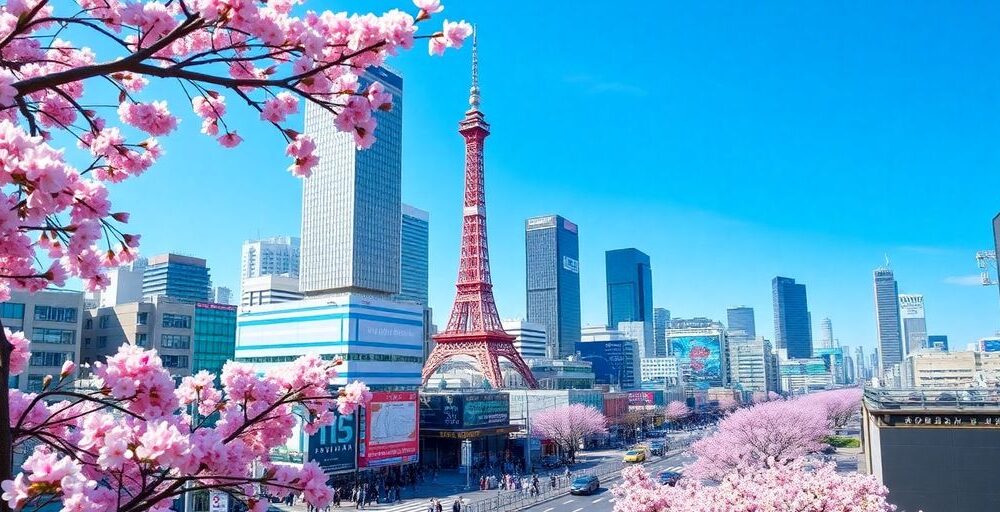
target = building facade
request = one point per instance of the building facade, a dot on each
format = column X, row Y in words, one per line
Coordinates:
column 661, row 322
column 351, row 219
column 804, row 375
column 52, row 320
column 164, row 324
column 124, row 285
column 630, row 291
column 380, row 341
column 826, row 333
column 792, row 322
column 890, row 340
column 552, row 260
column 661, row 370
column 214, row 337
column 911, row 313
column 559, row 374
column 741, row 318
column 182, row 278
column 530, row 338
column 222, row 295
column 269, row 290
column 413, row 255
column 277, row 256
column 614, row 359
column 753, row 366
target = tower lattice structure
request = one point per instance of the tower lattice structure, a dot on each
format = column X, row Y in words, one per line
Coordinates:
column 474, row 328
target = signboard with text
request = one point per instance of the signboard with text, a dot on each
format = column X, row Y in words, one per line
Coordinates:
column 335, row 447
column 641, row 398
column 218, row 501
column 453, row 411
column 940, row 420
column 391, row 429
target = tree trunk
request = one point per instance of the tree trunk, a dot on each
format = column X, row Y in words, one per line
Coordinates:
column 6, row 436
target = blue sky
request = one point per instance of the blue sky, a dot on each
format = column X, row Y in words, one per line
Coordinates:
column 731, row 143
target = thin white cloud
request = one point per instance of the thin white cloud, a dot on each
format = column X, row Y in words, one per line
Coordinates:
column 971, row 280
column 593, row 85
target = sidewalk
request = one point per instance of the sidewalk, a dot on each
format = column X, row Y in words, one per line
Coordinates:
column 450, row 484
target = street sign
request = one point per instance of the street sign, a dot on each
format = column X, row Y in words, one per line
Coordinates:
column 218, row 501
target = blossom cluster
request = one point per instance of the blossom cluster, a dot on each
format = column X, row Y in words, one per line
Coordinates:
column 568, row 425
column 266, row 54
column 136, row 439
column 800, row 486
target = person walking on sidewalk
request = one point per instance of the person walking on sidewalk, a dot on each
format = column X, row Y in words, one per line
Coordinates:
column 437, row 506
column 457, row 506
column 430, row 506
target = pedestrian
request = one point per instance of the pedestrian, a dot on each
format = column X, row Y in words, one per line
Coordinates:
column 430, row 505
column 437, row 506
column 457, row 507
column 552, row 481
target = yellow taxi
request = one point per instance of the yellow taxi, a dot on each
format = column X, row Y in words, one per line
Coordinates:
column 635, row 455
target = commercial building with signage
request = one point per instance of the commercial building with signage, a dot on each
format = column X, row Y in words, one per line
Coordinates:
column 702, row 356
column 931, row 368
column 552, row 258
column 448, row 418
column 380, row 341
column 805, row 375
column 932, row 450
column 214, row 340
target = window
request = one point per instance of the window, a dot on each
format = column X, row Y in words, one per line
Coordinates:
column 102, row 341
column 142, row 339
column 175, row 341
column 12, row 310
column 35, row 383
column 50, row 358
column 171, row 361
column 142, row 319
column 86, row 342
column 103, row 321
column 176, row 321
column 88, row 324
column 61, row 336
column 55, row 314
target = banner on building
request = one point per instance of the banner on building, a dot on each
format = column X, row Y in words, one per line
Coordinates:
column 335, row 447
column 454, row 411
column 391, row 432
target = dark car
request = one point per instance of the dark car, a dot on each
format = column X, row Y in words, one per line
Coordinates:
column 585, row 485
column 669, row 478
column 551, row 461
column 657, row 447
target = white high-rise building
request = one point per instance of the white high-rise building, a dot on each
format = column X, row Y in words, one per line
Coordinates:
column 890, row 340
column 351, row 218
column 222, row 295
column 269, row 290
column 270, row 256
column 662, row 370
column 124, row 286
column 414, row 249
column 529, row 338
column 825, row 333
column 911, row 313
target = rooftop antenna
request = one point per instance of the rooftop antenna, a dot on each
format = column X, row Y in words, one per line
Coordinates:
column 474, row 90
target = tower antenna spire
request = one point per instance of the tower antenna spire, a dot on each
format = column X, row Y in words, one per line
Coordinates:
column 474, row 90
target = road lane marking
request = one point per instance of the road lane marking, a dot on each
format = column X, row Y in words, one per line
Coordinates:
column 548, row 509
column 578, row 510
column 597, row 500
column 567, row 502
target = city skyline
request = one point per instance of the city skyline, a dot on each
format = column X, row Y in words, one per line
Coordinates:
column 834, row 254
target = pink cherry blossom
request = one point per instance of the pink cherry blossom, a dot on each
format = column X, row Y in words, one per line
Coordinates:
column 303, row 152
column 152, row 118
column 568, row 425
column 21, row 353
column 455, row 32
column 230, row 140
column 429, row 6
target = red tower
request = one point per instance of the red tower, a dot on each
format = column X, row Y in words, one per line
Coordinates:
column 474, row 328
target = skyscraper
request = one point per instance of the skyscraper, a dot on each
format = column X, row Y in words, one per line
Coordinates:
column 661, row 322
column 890, row 341
column 413, row 255
column 351, row 203
column 222, row 295
column 552, row 258
column 792, row 327
column 740, row 318
column 911, row 312
column 996, row 238
column 630, row 293
column 826, row 333
column 273, row 256
column 183, row 278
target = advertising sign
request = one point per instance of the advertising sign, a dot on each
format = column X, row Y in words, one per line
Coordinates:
column 452, row 411
column 940, row 420
column 989, row 345
column 700, row 360
column 571, row 264
column 640, row 398
column 391, row 429
column 335, row 447
column 218, row 501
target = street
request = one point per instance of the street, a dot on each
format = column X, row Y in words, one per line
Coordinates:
column 602, row 499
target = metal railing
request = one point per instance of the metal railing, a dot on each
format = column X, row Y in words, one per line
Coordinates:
column 975, row 399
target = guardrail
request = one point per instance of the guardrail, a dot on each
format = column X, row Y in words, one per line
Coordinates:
column 520, row 499
column 933, row 398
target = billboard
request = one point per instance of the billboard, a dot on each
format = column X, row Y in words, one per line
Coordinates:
column 699, row 359
column 453, row 411
column 641, row 398
column 989, row 345
column 335, row 447
column 391, row 429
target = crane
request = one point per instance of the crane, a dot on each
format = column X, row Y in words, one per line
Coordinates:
column 986, row 260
